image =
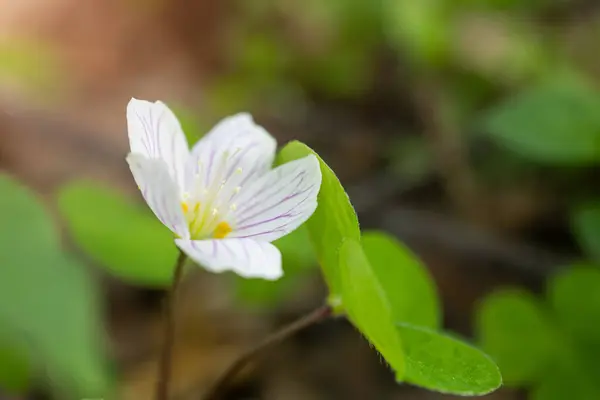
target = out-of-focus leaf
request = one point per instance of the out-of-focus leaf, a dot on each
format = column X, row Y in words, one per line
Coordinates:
column 407, row 285
column 333, row 221
column 585, row 221
column 46, row 298
column 513, row 328
column 367, row 306
column 565, row 382
column 421, row 28
column 261, row 55
column 556, row 123
column 575, row 297
column 118, row 234
column 15, row 366
column 442, row 363
column 298, row 257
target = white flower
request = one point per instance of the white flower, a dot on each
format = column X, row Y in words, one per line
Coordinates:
column 221, row 198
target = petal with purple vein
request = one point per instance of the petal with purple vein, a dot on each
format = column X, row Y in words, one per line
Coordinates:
column 279, row 202
column 154, row 132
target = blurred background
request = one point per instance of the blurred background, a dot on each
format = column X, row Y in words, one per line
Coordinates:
column 469, row 129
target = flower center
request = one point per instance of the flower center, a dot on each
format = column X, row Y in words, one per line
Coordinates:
column 204, row 223
column 210, row 202
column 223, row 229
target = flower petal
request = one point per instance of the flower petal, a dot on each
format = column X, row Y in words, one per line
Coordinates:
column 245, row 257
column 154, row 132
column 160, row 192
column 279, row 202
column 236, row 149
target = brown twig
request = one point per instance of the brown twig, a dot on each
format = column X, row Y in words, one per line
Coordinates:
column 312, row 318
column 164, row 367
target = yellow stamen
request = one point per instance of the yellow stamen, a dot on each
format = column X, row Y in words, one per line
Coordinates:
column 185, row 207
column 223, row 229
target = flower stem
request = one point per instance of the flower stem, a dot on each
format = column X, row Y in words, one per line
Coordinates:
column 164, row 367
column 316, row 316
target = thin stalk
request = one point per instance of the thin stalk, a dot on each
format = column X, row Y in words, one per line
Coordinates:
column 164, row 368
column 223, row 382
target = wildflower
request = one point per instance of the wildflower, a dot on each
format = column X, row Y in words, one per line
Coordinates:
column 221, row 199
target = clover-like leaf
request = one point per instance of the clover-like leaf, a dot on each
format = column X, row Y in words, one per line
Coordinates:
column 333, row 221
column 407, row 285
column 367, row 306
column 48, row 303
column 585, row 220
column 118, row 234
column 15, row 366
column 556, row 123
column 575, row 297
column 445, row 364
column 513, row 328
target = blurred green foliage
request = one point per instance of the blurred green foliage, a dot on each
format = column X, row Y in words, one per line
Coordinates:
column 556, row 123
column 585, row 221
column 31, row 65
column 550, row 347
column 513, row 327
column 49, row 311
column 118, row 234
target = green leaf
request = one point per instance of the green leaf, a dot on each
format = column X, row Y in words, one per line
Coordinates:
column 575, row 297
column 585, row 221
column 298, row 258
column 333, row 221
column 556, row 123
column 407, row 285
column 366, row 305
column 15, row 366
column 513, row 328
column 46, row 299
column 442, row 363
column 563, row 382
column 118, row 234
